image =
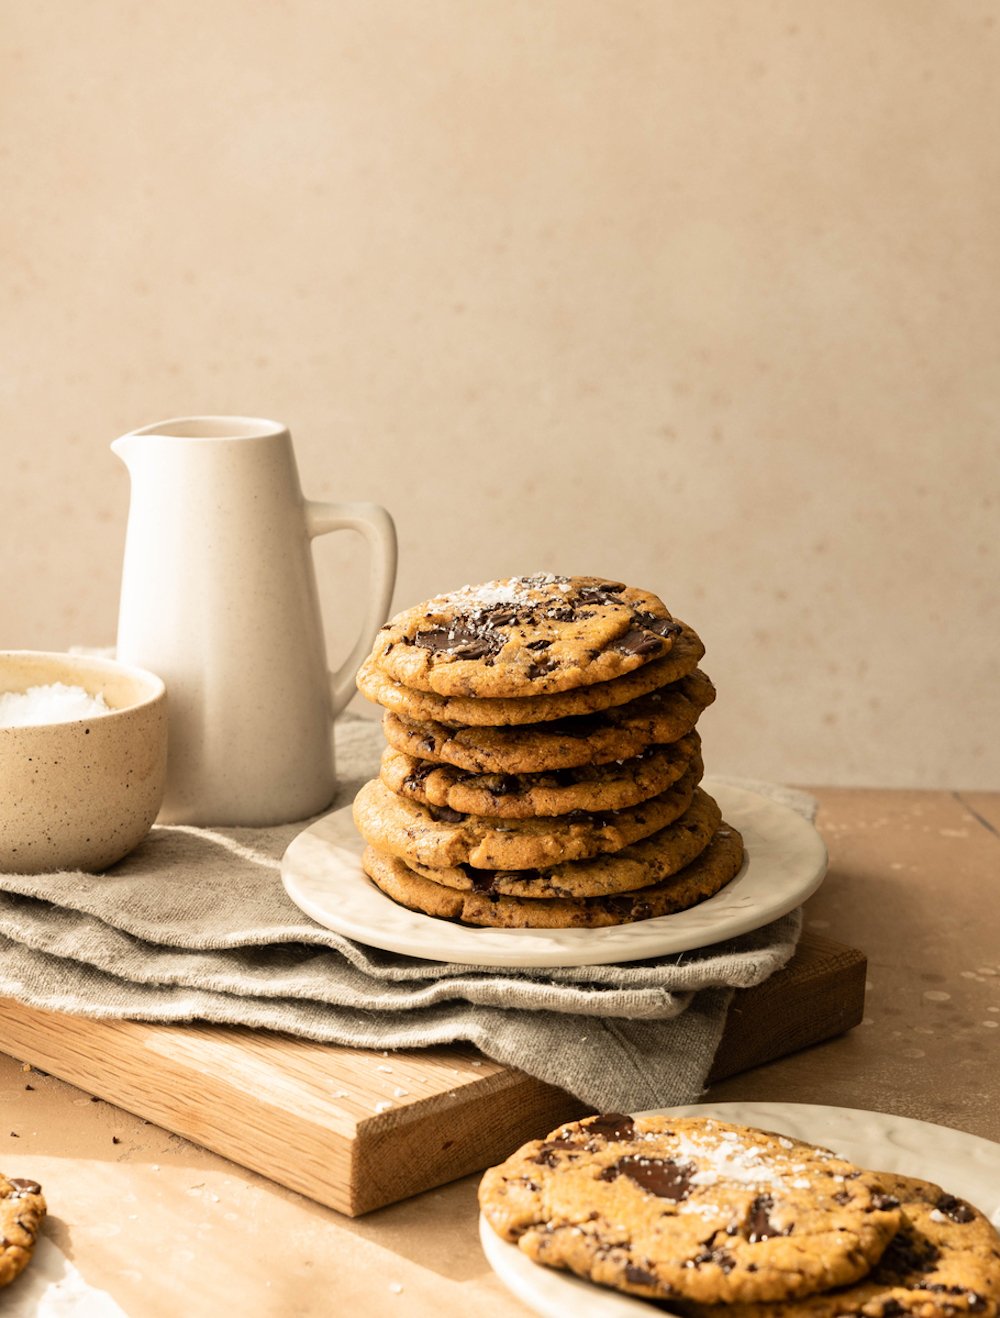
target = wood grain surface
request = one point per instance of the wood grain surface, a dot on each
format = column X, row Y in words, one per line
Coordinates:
column 354, row 1129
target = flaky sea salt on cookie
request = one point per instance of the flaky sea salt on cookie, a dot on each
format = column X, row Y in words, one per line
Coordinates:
column 524, row 636
column 690, row 1209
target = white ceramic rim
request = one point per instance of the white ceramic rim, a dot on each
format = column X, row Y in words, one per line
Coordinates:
column 224, row 426
column 786, row 862
column 962, row 1164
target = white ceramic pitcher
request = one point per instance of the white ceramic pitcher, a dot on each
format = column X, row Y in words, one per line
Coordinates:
column 218, row 597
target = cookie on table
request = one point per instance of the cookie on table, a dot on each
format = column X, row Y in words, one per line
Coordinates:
column 690, row 1209
column 639, row 865
column 500, row 711
column 702, row 878
column 524, row 636
column 660, row 717
column 435, row 835
column 22, row 1207
column 944, row 1260
column 613, row 786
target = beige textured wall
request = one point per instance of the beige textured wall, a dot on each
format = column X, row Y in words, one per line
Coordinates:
column 704, row 295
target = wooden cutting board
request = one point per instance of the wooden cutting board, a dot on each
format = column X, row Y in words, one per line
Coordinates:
column 356, row 1130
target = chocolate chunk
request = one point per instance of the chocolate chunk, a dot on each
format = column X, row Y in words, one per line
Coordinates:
column 540, row 644
column 957, row 1209
column 418, row 775
column 649, row 622
column 637, row 1276
column 717, row 1256
column 444, row 814
column 639, row 642
column 539, row 667
column 24, row 1186
column 758, row 1225
column 460, row 640
column 548, row 1154
column 883, row 1202
column 907, row 1254
column 612, row 1125
column 504, row 784
column 660, row 1176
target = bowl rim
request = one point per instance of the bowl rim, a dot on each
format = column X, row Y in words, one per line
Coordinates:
column 93, row 662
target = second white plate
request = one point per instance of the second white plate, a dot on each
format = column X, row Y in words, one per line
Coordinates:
column 785, row 862
column 963, row 1164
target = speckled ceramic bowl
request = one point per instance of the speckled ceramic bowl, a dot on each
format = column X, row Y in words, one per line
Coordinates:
column 80, row 795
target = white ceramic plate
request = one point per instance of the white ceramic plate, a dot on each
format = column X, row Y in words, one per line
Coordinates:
column 963, row 1164
column 785, row 862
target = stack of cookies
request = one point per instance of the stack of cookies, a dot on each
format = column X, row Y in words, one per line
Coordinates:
column 543, row 766
column 725, row 1221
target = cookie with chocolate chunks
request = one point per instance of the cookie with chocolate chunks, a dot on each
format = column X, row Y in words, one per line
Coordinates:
column 637, row 865
column 524, row 636
column 943, row 1261
column 22, row 1208
column 613, row 786
column 438, row 836
column 658, row 718
column 690, row 1209
column 715, row 866
column 499, row 711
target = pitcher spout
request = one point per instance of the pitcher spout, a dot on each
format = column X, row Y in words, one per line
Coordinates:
column 124, row 448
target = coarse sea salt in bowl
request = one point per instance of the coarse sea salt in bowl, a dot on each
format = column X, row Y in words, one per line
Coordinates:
column 83, row 759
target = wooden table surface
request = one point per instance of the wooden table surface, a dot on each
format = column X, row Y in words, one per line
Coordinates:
column 168, row 1228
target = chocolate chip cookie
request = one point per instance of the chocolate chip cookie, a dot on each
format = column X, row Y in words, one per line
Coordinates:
column 944, row 1260
column 436, row 835
column 659, row 717
column 377, row 686
column 716, row 866
column 639, row 865
column 524, row 636
column 691, row 1209
column 613, row 786
column 22, row 1207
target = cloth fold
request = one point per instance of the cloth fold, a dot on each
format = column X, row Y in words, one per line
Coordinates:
column 195, row 925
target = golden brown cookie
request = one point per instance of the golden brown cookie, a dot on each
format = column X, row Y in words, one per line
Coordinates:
column 437, row 836
column 710, row 871
column 484, row 711
column 690, row 1208
column 943, row 1261
column 613, row 786
column 524, row 636
column 22, row 1207
column 638, row 865
column 660, row 717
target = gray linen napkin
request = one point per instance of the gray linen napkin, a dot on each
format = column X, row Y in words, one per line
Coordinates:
column 195, row 925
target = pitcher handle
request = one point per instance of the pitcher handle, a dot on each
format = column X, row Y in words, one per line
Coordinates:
column 377, row 527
